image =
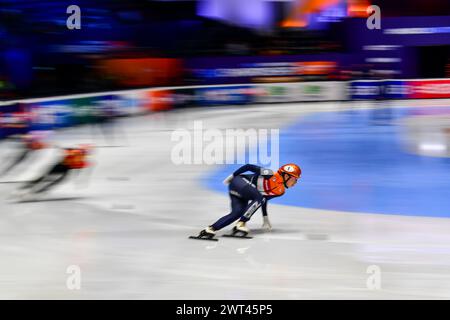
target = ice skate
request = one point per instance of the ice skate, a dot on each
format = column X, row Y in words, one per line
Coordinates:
column 240, row 230
column 206, row 234
column 18, row 194
column 28, row 194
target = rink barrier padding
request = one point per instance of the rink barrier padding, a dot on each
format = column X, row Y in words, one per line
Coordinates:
column 65, row 111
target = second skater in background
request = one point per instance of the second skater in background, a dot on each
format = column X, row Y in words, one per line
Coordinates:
column 72, row 159
column 249, row 192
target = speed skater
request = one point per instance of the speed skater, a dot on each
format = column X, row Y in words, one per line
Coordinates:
column 249, row 192
column 72, row 159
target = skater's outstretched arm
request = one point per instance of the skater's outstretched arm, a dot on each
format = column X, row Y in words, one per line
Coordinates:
column 55, row 170
column 31, row 184
column 266, row 222
column 264, row 209
column 249, row 167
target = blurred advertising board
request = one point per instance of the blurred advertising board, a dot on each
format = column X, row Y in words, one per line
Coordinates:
column 107, row 106
column 132, row 103
column 76, row 111
column 229, row 95
column 83, row 110
column 260, row 93
column 296, row 92
column 14, row 119
column 62, row 113
column 51, row 114
column 159, row 100
column 183, row 98
column 365, row 89
column 395, row 89
column 400, row 89
column 58, row 112
column 427, row 89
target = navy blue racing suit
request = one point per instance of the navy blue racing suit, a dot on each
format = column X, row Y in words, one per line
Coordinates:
column 244, row 195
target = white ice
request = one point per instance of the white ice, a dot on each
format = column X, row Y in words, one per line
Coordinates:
column 127, row 230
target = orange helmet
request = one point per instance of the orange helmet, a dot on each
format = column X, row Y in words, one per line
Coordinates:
column 291, row 169
column 33, row 141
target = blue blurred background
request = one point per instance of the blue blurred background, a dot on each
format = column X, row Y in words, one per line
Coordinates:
column 138, row 43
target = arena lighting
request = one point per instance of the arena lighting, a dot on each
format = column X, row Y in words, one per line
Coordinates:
column 249, row 13
column 357, row 8
column 381, row 47
column 383, row 60
column 301, row 10
column 428, row 30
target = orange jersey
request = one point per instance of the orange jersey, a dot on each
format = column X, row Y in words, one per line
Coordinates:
column 75, row 159
column 270, row 186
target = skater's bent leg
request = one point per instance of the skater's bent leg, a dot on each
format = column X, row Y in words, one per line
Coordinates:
column 256, row 202
column 31, row 184
column 237, row 207
column 55, row 182
column 56, row 170
column 250, row 210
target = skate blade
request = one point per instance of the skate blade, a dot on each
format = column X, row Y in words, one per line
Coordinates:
column 27, row 198
column 200, row 238
column 236, row 236
column 17, row 197
column 12, row 181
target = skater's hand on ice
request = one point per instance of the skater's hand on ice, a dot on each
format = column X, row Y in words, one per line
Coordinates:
column 266, row 225
column 228, row 179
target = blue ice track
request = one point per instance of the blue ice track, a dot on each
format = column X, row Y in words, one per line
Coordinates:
column 355, row 161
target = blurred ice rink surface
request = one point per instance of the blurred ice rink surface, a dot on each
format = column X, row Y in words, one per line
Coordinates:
column 127, row 229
